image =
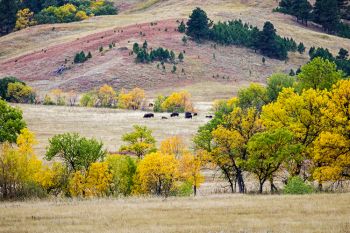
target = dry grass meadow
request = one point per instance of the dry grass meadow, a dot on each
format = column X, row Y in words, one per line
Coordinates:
column 219, row 213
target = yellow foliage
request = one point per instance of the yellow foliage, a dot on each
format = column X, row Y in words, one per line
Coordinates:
column 332, row 148
column 106, row 95
column 95, row 182
column 24, row 19
column 81, row 15
column 20, row 93
column 156, row 174
column 25, row 142
column 173, row 145
column 190, row 167
column 178, row 101
column 51, row 178
column 132, row 100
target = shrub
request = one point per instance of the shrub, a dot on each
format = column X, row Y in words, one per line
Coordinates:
column 296, row 185
column 4, row 82
column 20, row 93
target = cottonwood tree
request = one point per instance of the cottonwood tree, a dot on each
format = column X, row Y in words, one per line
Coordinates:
column 140, row 141
column 75, row 151
column 11, row 122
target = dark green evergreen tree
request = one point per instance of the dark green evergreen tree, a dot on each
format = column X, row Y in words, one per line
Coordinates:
column 198, row 25
column 301, row 48
column 8, row 10
column 326, row 13
column 343, row 54
column 302, row 10
column 182, row 27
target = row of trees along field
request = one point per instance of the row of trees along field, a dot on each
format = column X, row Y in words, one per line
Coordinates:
column 295, row 129
column 296, row 126
column 200, row 27
column 327, row 13
column 16, row 15
column 16, row 91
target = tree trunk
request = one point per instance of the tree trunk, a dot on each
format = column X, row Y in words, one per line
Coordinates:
column 195, row 190
column 261, row 186
column 240, row 181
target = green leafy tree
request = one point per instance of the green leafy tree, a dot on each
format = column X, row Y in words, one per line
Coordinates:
column 267, row 152
column 318, row 74
column 198, row 25
column 140, row 142
column 4, row 82
column 276, row 83
column 76, row 152
column 123, row 169
column 254, row 96
column 296, row 185
column 11, row 122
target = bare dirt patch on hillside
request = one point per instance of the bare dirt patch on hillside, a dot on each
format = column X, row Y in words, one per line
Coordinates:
column 221, row 213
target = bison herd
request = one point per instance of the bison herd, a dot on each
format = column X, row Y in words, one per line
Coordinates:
column 188, row 115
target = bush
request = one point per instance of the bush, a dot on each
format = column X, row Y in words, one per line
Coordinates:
column 185, row 189
column 4, row 82
column 296, row 185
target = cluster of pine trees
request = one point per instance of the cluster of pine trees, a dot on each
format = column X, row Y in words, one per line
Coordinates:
column 267, row 41
column 146, row 55
column 328, row 13
column 341, row 60
column 81, row 57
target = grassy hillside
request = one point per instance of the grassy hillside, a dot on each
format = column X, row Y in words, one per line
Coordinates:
column 34, row 53
column 312, row 213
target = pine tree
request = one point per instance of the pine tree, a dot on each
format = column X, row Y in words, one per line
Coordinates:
column 145, row 45
column 326, row 13
column 181, row 56
column 198, row 25
column 301, row 48
column 182, row 27
column 184, row 40
column 343, row 54
column 172, row 56
column 89, row 55
column 8, row 11
column 302, row 10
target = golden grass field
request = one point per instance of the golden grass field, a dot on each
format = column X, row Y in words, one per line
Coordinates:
column 217, row 213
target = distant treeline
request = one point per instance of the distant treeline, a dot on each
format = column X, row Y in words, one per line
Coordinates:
column 328, row 13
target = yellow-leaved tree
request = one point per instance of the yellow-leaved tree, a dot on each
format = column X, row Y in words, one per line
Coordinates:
column 173, row 145
column 131, row 100
column 156, row 174
column 332, row 147
column 107, row 96
column 95, row 182
column 178, row 102
column 302, row 115
column 25, row 18
column 190, row 170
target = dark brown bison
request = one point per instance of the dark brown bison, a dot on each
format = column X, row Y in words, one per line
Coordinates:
column 148, row 115
column 164, row 118
column 174, row 114
column 188, row 115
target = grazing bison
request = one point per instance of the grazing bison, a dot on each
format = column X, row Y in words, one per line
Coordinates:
column 148, row 115
column 188, row 115
column 151, row 105
column 164, row 118
column 174, row 114
column 195, row 114
column 210, row 116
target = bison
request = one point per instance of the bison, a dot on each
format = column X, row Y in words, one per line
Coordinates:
column 210, row 116
column 148, row 115
column 188, row 115
column 164, row 118
column 174, row 114
column 195, row 114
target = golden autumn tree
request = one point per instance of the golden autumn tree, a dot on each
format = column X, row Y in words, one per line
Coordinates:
column 302, row 115
column 230, row 143
column 95, row 182
column 107, row 96
column 25, row 18
column 52, row 178
column 18, row 166
column 178, row 102
column 156, row 174
column 173, row 145
column 131, row 100
column 20, row 93
column 332, row 148
column 190, row 170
